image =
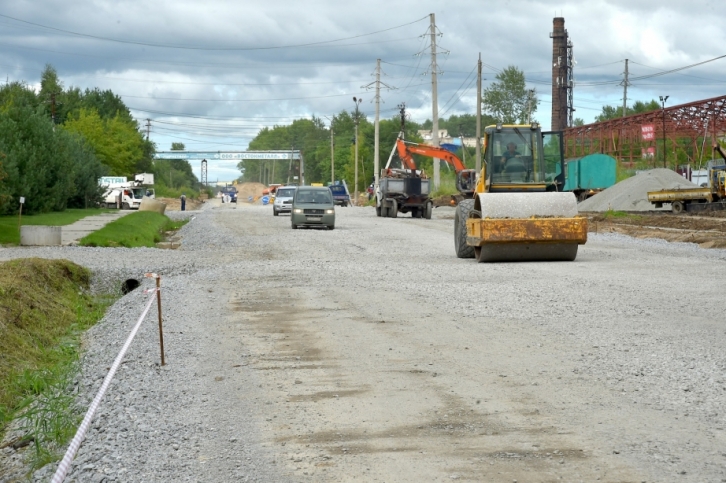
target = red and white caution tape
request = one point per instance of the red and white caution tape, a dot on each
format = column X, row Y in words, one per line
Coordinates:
column 65, row 464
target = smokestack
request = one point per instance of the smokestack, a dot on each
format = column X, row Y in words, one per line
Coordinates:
column 559, row 74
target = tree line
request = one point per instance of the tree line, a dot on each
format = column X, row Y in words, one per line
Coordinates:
column 55, row 143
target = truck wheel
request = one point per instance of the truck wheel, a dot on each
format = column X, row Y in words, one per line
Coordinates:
column 462, row 214
column 677, row 207
column 378, row 211
column 126, row 206
column 393, row 210
column 428, row 209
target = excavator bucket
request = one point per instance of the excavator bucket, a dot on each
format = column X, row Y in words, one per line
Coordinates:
column 524, row 227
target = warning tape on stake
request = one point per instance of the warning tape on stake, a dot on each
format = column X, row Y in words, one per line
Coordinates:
column 65, row 464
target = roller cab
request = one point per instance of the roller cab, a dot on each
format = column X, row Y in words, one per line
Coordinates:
column 518, row 212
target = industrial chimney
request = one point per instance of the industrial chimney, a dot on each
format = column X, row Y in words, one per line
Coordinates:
column 560, row 77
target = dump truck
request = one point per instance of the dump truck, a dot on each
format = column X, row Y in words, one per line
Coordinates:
column 709, row 198
column 518, row 211
column 706, row 198
column 404, row 189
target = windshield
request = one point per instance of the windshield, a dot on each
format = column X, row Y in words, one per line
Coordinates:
column 514, row 155
column 138, row 192
column 313, row 196
column 285, row 193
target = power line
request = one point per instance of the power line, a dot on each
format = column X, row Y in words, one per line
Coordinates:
column 237, row 49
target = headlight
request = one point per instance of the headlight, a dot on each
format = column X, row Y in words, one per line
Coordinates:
column 329, row 212
column 298, row 210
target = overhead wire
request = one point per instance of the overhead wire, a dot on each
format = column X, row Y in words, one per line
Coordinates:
column 238, row 49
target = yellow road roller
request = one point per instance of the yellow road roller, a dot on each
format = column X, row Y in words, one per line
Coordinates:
column 518, row 211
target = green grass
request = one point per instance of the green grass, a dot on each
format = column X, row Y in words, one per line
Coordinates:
column 44, row 309
column 139, row 229
column 10, row 235
column 616, row 214
column 447, row 187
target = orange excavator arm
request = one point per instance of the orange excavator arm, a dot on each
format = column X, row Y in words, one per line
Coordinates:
column 406, row 151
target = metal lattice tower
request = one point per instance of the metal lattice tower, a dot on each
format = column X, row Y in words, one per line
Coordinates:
column 204, row 172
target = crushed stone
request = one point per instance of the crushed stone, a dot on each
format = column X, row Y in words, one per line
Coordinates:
column 632, row 194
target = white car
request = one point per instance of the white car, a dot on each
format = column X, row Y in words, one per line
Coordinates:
column 283, row 200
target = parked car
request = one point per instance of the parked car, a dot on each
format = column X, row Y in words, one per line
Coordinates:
column 283, row 199
column 313, row 206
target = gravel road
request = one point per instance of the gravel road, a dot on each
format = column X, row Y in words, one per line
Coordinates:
column 371, row 353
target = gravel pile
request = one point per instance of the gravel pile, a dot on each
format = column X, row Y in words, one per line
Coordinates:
column 632, row 194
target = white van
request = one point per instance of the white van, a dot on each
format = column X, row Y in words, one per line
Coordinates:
column 283, row 200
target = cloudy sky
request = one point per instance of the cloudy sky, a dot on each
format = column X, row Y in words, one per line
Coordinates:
column 211, row 74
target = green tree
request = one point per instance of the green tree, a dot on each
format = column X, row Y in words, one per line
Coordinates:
column 465, row 124
column 508, row 99
column 639, row 107
column 177, row 147
column 37, row 166
column 116, row 142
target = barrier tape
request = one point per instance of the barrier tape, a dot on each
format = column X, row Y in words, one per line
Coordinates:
column 65, row 464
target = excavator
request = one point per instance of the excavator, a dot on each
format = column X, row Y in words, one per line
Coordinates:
column 517, row 210
column 407, row 189
column 465, row 178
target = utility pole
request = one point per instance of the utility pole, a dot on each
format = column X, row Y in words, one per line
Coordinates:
column 148, row 128
column 376, row 124
column 625, row 89
column 357, row 119
column 478, row 115
column 332, row 155
column 663, row 100
column 376, row 128
column 530, row 98
column 434, row 101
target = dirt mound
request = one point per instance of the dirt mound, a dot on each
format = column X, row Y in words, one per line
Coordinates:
column 245, row 190
column 632, row 194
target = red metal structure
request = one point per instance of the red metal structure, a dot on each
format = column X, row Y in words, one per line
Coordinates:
column 631, row 138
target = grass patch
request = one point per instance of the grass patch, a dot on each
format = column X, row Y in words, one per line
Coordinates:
column 10, row 235
column 45, row 307
column 614, row 214
column 447, row 187
column 139, row 229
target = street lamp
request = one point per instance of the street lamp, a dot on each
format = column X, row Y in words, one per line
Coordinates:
column 663, row 100
column 357, row 102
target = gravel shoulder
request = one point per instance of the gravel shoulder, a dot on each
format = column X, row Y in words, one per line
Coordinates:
column 372, row 353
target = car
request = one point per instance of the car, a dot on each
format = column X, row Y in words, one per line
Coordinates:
column 230, row 191
column 313, row 206
column 283, row 199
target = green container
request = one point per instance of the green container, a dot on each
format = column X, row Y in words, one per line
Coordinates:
column 591, row 172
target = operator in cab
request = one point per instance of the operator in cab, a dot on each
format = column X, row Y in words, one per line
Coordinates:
column 510, row 153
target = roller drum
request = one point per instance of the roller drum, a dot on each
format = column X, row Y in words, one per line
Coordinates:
column 526, row 206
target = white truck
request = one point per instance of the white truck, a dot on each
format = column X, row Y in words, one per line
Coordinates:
column 123, row 194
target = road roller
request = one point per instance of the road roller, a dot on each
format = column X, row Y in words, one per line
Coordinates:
column 518, row 211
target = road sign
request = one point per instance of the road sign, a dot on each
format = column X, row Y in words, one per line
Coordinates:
column 227, row 155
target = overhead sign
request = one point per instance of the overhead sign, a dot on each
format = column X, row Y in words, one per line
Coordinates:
column 648, row 132
column 227, row 155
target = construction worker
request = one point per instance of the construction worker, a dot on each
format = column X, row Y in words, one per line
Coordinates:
column 183, row 202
